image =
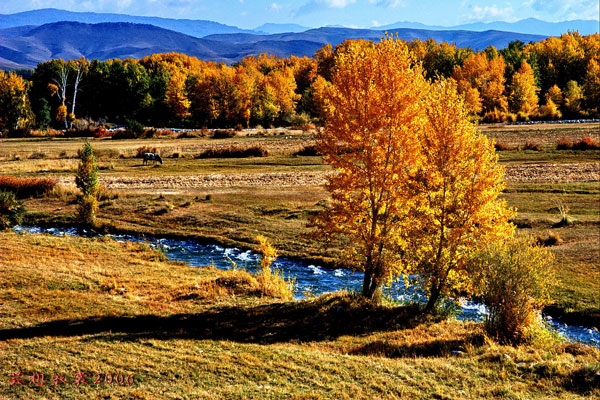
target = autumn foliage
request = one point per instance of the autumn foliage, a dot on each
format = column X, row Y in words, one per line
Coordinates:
column 456, row 186
column 514, row 277
column 271, row 280
column 420, row 186
column 419, row 189
column 87, row 181
column 373, row 106
column 26, row 187
column 15, row 110
column 555, row 78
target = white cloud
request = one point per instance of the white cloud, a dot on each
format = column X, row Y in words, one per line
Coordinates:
column 276, row 7
column 490, row 13
column 389, row 3
column 338, row 3
column 313, row 6
column 562, row 9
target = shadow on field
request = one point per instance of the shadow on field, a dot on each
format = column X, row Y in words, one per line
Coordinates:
column 324, row 318
column 433, row 348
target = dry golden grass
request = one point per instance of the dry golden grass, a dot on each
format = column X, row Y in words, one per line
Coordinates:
column 95, row 306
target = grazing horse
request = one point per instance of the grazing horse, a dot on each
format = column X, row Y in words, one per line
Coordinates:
column 152, row 157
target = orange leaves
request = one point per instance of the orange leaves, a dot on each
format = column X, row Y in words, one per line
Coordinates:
column 416, row 183
column 61, row 113
column 487, row 78
column 523, row 91
column 176, row 97
column 15, row 110
column 371, row 108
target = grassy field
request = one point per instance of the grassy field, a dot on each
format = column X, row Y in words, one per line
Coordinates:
column 73, row 305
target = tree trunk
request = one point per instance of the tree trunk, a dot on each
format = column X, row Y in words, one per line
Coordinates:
column 75, row 89
column 433, row 298
column 366, row 284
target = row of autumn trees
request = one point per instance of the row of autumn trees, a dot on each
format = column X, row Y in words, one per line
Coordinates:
column 555, row 78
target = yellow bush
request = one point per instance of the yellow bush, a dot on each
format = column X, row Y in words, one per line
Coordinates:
column 514, row 277
column 272, row 282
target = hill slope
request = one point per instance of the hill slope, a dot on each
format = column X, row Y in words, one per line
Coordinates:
column 334, row 36
column 25, row 47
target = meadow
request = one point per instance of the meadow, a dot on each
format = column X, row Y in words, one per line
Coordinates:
column 74, row 305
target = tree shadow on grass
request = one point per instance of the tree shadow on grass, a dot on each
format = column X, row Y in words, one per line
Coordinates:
column 324, row 318
column 434, row 348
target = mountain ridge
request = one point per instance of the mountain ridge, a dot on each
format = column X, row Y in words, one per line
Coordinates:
column 25, row 48
column 196, row 28
column 528, row 26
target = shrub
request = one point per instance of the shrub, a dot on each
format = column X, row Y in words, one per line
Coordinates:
column 45, row 133
column 101, row 132
column 272, row 282
column 308, row 151
column 551, row 239
column 532, row 146
column 135, row 128
column 501, row 146
column 514, row 278
column 11, row 210
column 587, row 143
column 37, row 155
column 564, row 144
column 188, row 135
column 87, row 181
column 300, row 121
column 26, row 187
column 223, row 133
column 233, row 152
column 76, row 133
column 144, row 149
column 565, row 218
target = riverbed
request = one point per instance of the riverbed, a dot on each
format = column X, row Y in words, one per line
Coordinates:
column 310, row 279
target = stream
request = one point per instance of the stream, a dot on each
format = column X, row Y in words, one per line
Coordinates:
column 310, row 278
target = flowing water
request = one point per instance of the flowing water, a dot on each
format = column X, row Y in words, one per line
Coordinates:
column 310, row 278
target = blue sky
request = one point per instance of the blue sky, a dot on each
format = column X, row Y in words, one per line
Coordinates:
column 313, row 13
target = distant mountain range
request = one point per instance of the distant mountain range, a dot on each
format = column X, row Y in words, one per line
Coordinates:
column 31, row 37
column 197, row 28
column 200, row 28
column 334, row 36
column 529, row 25
column 280, row 28
column 26, row 46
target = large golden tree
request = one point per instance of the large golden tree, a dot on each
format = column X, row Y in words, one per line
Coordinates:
column 415, row 184
column 373, row 109
column 457, row 185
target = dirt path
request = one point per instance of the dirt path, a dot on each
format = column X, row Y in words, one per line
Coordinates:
column 530, row 173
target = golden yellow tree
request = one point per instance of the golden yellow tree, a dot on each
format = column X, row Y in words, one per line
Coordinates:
column 15, row 110
column 573, row 97
column 591, row 85
column 457, row 185
column 176, row 95
column 523, row 91
column 372, row 109
column 481, row 81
